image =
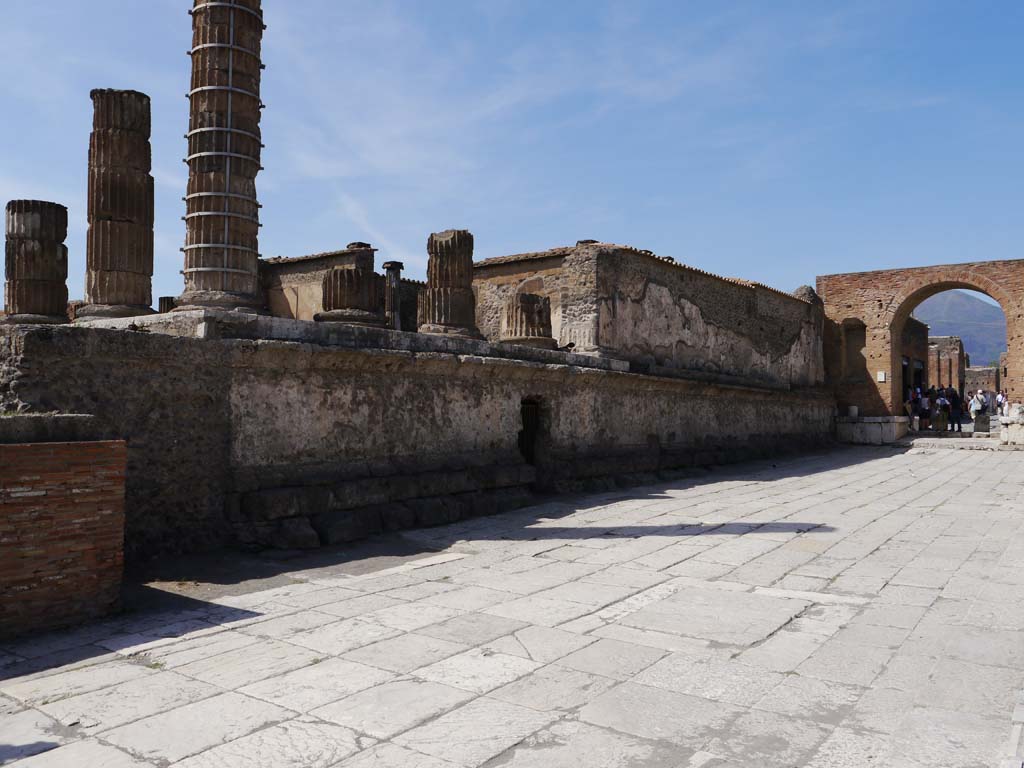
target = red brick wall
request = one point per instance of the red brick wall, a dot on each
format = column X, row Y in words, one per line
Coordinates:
column 883, row 301
column 61, row 533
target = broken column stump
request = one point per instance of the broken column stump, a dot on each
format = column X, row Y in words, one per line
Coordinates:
column 447, row 304
column 353, row 295
column 527, row 321
column 36, row 262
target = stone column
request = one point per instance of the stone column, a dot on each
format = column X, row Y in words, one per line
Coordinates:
column 393, row 294
column 224, row 150
column 352, row 295
column 448, row 306
column 527, row 321
column 119, row 245
column 36, row 262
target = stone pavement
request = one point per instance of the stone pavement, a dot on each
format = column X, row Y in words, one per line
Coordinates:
column 860, row 608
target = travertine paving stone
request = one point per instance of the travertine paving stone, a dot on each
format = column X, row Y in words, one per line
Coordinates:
column 394, row 707
column 314, row 686
column 295, row 744
column 110, row 707
column 860, row 608
column 84, row 753
column 195, row 727
column 476, row 732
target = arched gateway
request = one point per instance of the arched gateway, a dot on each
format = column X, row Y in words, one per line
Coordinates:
column 867, row 312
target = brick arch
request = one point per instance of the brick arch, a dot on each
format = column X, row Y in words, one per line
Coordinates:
column 923, row 287
column 883, row 300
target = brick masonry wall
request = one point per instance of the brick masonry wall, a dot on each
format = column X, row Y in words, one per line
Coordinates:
column 883, row 301
column 61, row 533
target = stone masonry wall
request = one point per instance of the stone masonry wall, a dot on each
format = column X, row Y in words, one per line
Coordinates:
column 286, row 443
column 168, row 397
column 61, row 533
column 628, row 304
column 659, row 312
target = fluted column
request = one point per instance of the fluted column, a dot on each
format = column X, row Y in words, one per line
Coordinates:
column 353, row 295
column 224, row 151
column 447, row 305
column 526, row 321
column 119, row 244
column 393, row 293
column 36, row 262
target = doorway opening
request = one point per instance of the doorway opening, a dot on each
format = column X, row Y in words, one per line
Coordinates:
column 529, row 435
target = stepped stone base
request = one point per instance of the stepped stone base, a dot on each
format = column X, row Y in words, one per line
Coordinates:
column 352, row 317
column 218, row 300
column 464, row 332
column 113, row 310
column 33, row 320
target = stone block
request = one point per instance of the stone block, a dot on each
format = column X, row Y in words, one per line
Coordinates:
column 262, row 506
column 341, row 526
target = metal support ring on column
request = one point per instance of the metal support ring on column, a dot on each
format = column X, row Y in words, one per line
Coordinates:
column 232, row 6
column 221, row 246
column 228, row 89
column 235, row 155
column 230, row 46
column 229, row 214
column 239, row 131
column 217, row 269
column 234, row 195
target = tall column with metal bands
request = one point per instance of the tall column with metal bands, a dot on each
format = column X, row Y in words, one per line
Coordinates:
column 119, row 245
column 224, row 148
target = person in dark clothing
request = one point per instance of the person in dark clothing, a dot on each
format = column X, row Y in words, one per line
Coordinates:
column 956, row 410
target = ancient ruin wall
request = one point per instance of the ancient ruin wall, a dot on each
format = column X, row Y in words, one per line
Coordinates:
column 654, row 311
column 61, row 533
column 882, row 301
column 167, row 397
column 227, row 437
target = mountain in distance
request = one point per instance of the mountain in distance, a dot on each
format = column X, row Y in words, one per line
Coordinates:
column 981, row 325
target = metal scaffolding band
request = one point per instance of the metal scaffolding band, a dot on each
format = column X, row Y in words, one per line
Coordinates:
column 232, row 46
column 239, row 131
column 228, row 88
column 234, row 7
column 229, row 214
column 235, row 195
column 235, row 155
column 221, row 246
column 218, row 269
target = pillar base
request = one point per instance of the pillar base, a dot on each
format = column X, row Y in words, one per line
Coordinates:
column 34, row 320
column 461, row 331
column 242, row 302
column 352, row 317
column 113, row 310
column 537, row 342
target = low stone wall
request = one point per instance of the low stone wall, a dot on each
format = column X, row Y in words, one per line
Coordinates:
column 61, row 532
column 872, row 430
column 266, row 441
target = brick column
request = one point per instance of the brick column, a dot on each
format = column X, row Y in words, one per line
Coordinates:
column 447, row 304
column 527, row 321
column 224, row 151
column 119, row 246
column 36, row 262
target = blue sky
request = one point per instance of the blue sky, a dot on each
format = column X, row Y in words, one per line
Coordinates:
column 771, row 141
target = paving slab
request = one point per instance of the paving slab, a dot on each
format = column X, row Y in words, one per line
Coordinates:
column 386, row 710
column 473, row 734
column 195, row 727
